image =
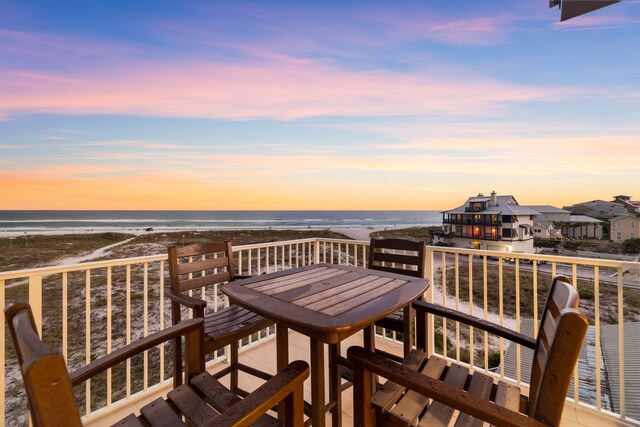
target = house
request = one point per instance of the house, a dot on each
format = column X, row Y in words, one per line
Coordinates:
column 632, row 205
column 624, row 227
column 492, row 222
column 599, row 209
column 546, row 230
column 583, row 227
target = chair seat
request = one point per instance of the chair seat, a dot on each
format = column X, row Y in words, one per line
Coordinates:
column 230, row 324
column 410, row 408
column 199, row 402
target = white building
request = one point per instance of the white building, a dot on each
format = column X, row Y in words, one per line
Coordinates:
column 492, row 222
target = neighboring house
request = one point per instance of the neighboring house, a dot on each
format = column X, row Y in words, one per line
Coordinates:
column 632, row 205
column 492, row 222
column 625, row 227
column 546, row 230
column 583, row 227
column 565, row 224
column 598, row 209
column 548, row 213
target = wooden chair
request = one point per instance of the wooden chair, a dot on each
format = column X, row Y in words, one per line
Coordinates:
column 403, row 257
column 202, row 401
column 201, row 266
column 405, row 398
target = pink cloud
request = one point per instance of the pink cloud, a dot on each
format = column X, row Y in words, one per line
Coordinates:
column 283, row 88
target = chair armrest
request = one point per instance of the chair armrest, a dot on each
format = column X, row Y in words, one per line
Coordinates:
column 476, row 322
column 186, row 300
column 433, row 388
column 287, row 383
column 103, row 363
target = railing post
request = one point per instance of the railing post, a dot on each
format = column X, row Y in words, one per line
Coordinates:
column 429, row 298
column 316, row 251
column 35, row 300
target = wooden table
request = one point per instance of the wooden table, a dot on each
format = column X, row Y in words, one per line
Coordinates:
column 327, row 303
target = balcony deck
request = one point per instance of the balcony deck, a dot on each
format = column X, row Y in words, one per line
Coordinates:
column 263, row 355
column 84, row 308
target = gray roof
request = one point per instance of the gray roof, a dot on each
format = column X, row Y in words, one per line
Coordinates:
column 586, row 367
column 582, row 218
column 609, row 366
column 609, row 339
column 545, row 224
column 505, row 205
column 547, row 209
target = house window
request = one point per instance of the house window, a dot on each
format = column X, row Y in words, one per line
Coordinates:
column 618, row 236
column 632, row 235
column 633, row 224
column 506, row 232
column 619, row 223
column 506, row 218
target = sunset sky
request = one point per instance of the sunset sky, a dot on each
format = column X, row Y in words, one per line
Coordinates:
column 315, row 105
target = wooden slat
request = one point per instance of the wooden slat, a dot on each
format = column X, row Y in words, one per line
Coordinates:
column 215, row 394
column 397, row 244
column 396, row 258
column 439, row 414
column 201, row 249
column 130, row 421
column 412, row 403
column 345, row 306
column 293, row 277
column 386, row 396
column 508, row 396
column 315, row 295
column 192, row 407
column 481, row 386
column 397, row 270
column 198, row 282
column 159, row 414
column 314, row 291
column 286, row 284
column 333, row 296
column 207, row 264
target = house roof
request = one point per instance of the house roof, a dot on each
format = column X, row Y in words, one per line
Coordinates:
column 547, row 209
column 609, row 339
column 586, row 366
column 505, row 205
column 623, row 216
column 583, row 219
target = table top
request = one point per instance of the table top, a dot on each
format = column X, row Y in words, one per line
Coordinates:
column 325, row 301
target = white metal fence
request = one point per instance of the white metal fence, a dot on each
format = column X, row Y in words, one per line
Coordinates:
column 88, row 309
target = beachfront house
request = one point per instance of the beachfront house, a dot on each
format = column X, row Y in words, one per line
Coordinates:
column 624, row 227
column 491, row 222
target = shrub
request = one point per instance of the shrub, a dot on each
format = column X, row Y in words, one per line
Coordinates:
column 631, row 246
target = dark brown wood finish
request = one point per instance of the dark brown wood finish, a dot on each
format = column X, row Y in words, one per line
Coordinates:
column 331, row 302
column 202, row 265
column 327, row 303
column 404, row 399
column 203, row 401
column 403, row 257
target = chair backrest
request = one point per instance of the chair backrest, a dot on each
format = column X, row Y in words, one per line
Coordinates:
column 44, row 372
column 397, row 256
column 560, row 336
column 200, row 264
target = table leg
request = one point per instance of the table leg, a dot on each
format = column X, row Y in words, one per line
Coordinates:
column 317, row 383
column 370, row 345
column 335, row 383
column 282, row 357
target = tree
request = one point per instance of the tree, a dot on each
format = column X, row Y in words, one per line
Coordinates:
column 631, row 246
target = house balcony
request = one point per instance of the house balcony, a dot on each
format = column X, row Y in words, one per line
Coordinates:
column 487, row 223
column 88, row 309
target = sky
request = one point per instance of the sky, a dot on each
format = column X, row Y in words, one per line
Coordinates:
column 315, row 105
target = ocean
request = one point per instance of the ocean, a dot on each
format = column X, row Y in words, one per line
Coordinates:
column 16, row 221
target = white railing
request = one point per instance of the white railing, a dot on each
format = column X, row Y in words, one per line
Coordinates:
column 86, row 309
